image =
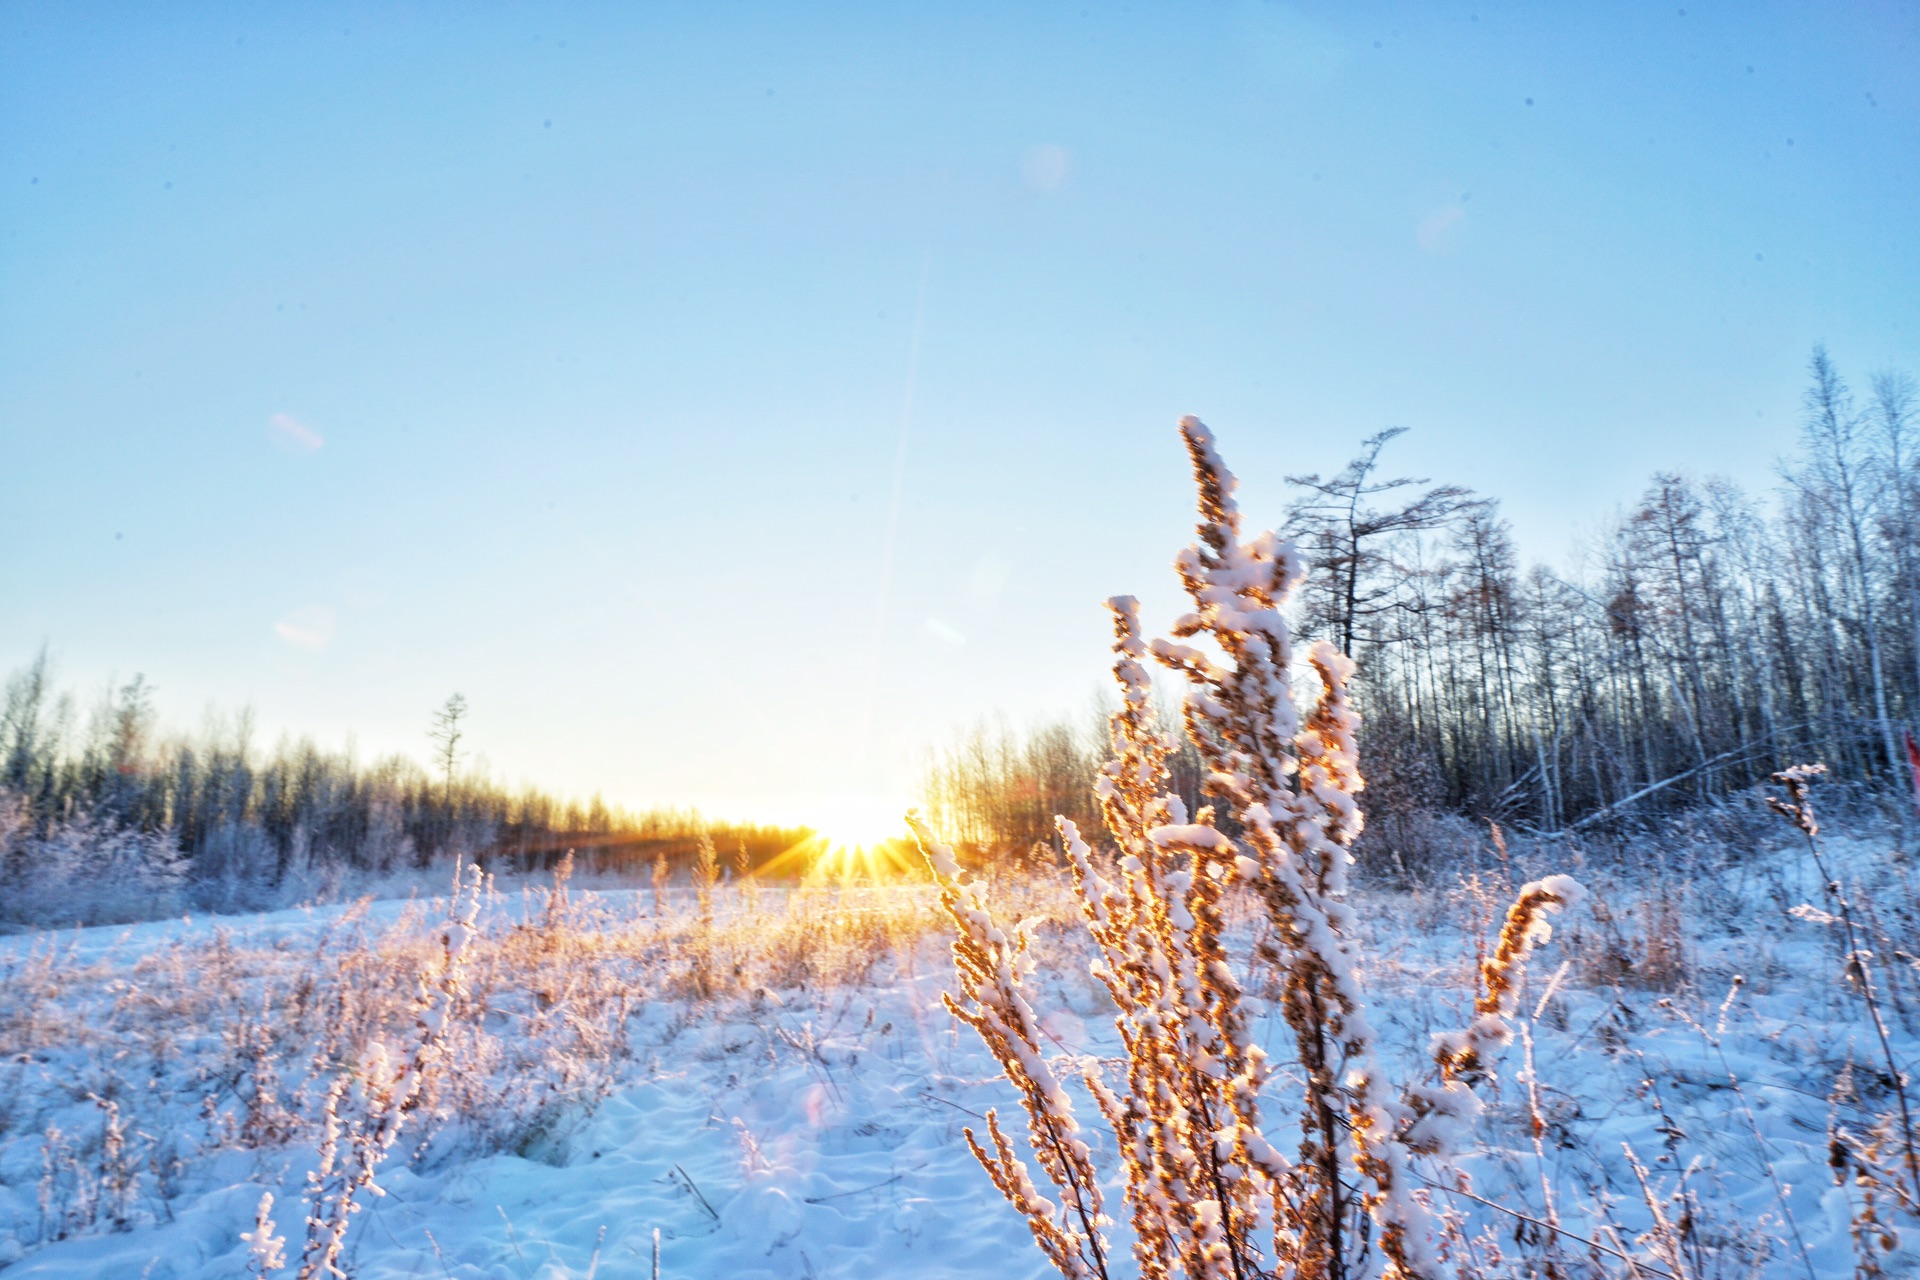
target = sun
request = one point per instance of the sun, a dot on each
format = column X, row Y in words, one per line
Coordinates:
column 858, row 834
column 852, row 835
column 859, row 821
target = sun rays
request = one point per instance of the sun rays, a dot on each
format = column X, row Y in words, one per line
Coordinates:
column 851, row 836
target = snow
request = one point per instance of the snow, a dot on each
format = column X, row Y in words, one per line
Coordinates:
column 847, row 1103
column 815, row 1130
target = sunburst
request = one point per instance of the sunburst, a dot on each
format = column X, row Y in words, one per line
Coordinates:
column 853, row 835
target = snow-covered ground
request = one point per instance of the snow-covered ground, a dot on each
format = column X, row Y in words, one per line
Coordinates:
column 792, row 1104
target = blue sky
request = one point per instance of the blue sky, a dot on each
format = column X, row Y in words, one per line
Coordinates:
column 733, row 399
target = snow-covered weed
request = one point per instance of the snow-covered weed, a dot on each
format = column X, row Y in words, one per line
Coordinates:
column 1210, row 1196
column 1882, row 1159
column 368, row 1104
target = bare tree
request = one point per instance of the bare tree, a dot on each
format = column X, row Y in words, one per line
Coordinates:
column 1895, row 422
column 1342, row 531
column 23, row 722
column 1838, row 476
column 445, row 736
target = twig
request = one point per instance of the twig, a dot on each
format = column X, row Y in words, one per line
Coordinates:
column 1799, row 811
column 1627, row 1258
column 1538, row 1125
column 439, row 1256
column 510, row 1237
column 934, row 1097
column 1663, row 1230
column 1753, row 1125
column 593, row 1263
column 884, row 1182
column 694, row 1187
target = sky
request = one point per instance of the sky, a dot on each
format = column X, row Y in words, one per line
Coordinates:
column 735, row 401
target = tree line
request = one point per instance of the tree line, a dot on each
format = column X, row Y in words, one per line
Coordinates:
column 102, row 813
column 1707, row 638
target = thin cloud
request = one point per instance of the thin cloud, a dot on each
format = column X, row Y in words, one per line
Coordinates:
column 1440, row 229
column 294, row 435
column 1045, row 167
column 311, row 628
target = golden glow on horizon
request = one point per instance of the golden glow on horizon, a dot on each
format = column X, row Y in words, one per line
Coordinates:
column 858, row 837
column 854, row 836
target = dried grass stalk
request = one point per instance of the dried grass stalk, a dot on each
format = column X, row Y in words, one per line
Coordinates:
column 1203, row 1185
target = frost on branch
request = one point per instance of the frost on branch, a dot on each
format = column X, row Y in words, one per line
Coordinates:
column 266, row 1251
column 1200, row 1175
column 990, row 962
column 1466, row 1058
column 367, row 1106
column 1292, row 788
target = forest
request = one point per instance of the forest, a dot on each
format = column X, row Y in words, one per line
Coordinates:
column 1710, row 638
column 105, row 816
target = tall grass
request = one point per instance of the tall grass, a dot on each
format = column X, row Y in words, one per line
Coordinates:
column 1209, row 1196
column 478, row 1023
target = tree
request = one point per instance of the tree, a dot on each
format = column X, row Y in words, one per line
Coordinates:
column 127, row 724
column 446, row 735
column 1839, row 479
column 23, row 722
column 1341, row 532
column 1895, row 420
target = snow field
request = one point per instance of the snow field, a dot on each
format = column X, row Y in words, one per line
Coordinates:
column 803, row 1116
